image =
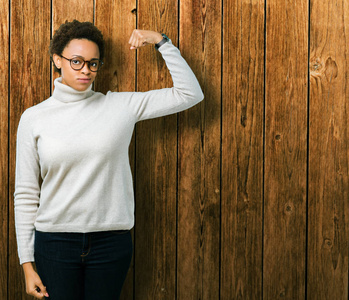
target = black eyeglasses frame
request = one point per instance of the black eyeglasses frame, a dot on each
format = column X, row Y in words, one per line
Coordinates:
column 85, row 61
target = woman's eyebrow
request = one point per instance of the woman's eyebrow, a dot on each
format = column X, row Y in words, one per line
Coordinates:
column 76, row 55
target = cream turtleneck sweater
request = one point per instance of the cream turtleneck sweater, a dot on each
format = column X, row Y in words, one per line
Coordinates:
column 77, row 143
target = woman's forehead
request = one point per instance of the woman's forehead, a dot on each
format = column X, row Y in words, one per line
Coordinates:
column 82, row 47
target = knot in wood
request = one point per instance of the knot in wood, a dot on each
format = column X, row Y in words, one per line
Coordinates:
column 320, row 67
column 243, row 120
column 30, row 58
column 288, row 208
column 316, row 65
column 327, row 244
column 331, row 69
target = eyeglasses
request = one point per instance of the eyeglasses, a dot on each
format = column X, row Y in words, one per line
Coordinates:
column 77, row 63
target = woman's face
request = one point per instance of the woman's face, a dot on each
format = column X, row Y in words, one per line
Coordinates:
column 87, row 50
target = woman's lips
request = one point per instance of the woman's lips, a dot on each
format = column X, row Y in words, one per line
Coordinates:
column 84, row 80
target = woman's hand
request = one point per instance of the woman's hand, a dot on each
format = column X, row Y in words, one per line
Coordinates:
column 140, row 38
column 33, row 283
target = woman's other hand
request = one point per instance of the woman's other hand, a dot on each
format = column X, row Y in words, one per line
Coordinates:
column 33, row 283
column 140, row 38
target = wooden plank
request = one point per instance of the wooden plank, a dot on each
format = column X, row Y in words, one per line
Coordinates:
column 116, row 20
column 328, row 151
column 4, row 94
column 242, row 149
column 68, row 10
column 285, row 149
column 156, row 164
column 199, row 155
column 29, row 81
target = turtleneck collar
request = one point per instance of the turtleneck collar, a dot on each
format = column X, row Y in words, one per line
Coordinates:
column 65, row 93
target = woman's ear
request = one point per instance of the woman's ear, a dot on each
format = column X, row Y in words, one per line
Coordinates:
column 57, row 60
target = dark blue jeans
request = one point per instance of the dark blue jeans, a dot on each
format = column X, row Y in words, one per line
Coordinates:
column 83, row 266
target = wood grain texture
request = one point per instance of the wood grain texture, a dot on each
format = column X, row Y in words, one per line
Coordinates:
column 156, row 164
column 221, row 209
column 199, row 155
column 30, row 84
column 285, row 150
column 4, row 154
column 63, row 11
column 116, row 20
column 242, row 149
column 329, row 150
column 67, row 11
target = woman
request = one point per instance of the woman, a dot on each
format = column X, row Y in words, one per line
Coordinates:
column 74, row 204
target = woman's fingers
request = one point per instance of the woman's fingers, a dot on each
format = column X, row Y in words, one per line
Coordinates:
column 37, row 293
column 137, row 39
column 35, row 286
column 140, row 38
column 41, row 289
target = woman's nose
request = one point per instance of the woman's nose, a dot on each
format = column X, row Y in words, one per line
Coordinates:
column 86, row 69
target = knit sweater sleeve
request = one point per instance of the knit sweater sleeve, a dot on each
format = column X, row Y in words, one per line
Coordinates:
column 185, row 93
column 27, row 188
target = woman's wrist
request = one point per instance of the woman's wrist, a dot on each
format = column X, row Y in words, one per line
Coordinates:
column 28, row 267
column 164, row 40
column 158, row 38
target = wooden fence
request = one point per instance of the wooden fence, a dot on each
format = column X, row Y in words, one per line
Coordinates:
column 244, row 196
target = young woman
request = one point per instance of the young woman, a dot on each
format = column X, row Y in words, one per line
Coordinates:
column 74, row 204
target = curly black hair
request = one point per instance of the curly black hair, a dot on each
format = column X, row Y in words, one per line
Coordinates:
column 75, row 30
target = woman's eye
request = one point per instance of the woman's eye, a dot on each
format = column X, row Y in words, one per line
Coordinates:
column 94, row 63
column 76, row 61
